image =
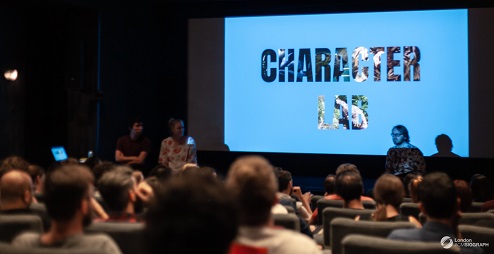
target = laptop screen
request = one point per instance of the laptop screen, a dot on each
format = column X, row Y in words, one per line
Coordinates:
column 59, row 153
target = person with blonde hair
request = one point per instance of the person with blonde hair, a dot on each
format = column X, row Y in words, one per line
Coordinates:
column 178, row 149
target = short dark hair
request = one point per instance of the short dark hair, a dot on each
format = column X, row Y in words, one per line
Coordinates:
column 134, row 119
column 349, row 186
column 347, row 167
column 481, row 188
column 437, row 193
column 329, row 182
column 191, row 208
column 284, row 178
column 64, row 189
column 114, row 187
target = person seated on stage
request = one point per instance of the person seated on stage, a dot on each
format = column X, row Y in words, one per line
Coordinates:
column 67, row 191
column 301, row 204
column 388, row 193
column 134, row 148
column 440, row 204
column 252, row 182
column 16, row 196
column 178, row 149
column 118, row 189
column 191, row 214
column 403, row 158
column 345, row 167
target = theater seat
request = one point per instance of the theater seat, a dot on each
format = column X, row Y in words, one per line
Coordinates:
column 330, row 213
column 288, row 221
column 6, row 248
column 128, row 236
column 13, row 224
column 359, row 244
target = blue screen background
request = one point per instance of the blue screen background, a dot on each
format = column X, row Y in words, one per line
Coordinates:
column 282, row 116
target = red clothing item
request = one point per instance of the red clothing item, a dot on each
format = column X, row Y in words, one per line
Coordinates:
column 335, row 197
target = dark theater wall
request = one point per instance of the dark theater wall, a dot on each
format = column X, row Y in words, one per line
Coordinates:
column 139, row 64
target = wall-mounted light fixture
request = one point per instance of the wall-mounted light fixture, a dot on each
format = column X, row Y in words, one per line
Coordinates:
column 11, row 75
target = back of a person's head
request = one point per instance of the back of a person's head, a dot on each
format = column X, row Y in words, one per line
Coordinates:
column 252, row 182
column 389, row 190
column 438, row 195
column 349, row 185
column 15, row 187
column 64, row 189
column 464, row 193
column 482, row 188
column 413, row 186
column 329, row 182
column 35, row 171
column 114, row 187
column 347, row 167
column 101, row 168
column 92, row 162
column 284, row 178
column 191, row 215
column 406, row 181
column 161, row 172
column 13, row 162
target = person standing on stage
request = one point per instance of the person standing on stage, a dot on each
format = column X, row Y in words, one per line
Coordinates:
column 178, row 149
column 403, row 158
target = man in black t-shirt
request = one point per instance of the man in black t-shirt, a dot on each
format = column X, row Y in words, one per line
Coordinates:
column 133, row 149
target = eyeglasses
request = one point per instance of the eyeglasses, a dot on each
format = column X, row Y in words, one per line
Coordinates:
column 396, row 134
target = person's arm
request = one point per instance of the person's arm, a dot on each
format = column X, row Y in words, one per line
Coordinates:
column 192, row 156
column 139, row 159
column 389, row 163
column 420, row 162
column 121, row 158
column 305, row 198
column 162, row 158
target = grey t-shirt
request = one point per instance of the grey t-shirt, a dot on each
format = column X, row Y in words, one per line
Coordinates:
column 100, row 242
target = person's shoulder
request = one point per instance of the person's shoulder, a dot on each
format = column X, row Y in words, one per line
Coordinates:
column 296, row 242
column 100, row 241
column 27, row 239
column 403, row 234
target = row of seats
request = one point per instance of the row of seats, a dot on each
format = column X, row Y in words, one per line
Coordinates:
column 340, row 222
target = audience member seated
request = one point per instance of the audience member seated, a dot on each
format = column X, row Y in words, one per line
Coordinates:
column 413, row 186
column 464, row 194
column 252, row 182
column 329, row 184
column 301, row 207
column 190, row 215
column 37, row 174
column 406, row 182
column 16, row 196
column 67, row 191
column 341, row 169
column 388, row 193
column 13, row 162
column 481, row 187
column 349, row 187
column 118, row 190
column 438, row 202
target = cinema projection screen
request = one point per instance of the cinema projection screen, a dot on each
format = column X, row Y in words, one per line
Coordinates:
column 338, row 83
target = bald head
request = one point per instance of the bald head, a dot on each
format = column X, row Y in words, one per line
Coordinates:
column 15, row 190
